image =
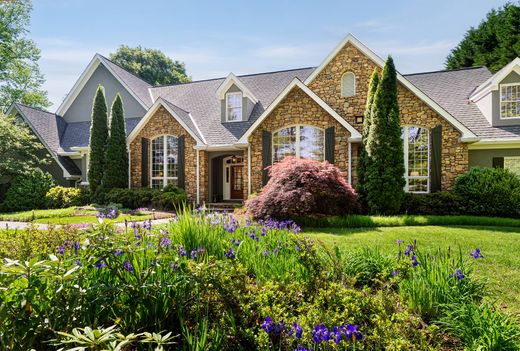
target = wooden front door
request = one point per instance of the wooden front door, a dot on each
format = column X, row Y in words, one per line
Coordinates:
column 237, row 182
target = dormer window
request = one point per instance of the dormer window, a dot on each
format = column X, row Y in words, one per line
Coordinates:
column 233, row 107
column 348, row 84
column 509, row 101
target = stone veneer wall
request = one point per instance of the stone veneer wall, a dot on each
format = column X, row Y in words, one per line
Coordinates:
column 327, row 85
column 163, row 123
column 296, row 108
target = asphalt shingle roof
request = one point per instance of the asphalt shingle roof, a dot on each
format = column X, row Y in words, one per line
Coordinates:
column 198, row 98
column 451, row 89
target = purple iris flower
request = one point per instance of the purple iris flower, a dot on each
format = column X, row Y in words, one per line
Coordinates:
column 352, row 332
column 118, row 253
column 458, row 273
column 476, row 254
column 78, row 262
column 100, row 263
column 61, row 250
column 395, row 273
column 230, row 253
column 165, row 242
column 414, row 261
column 181, row 251
column 127, row 266
column 268, row 325
column 265, row 253
column 408, row 250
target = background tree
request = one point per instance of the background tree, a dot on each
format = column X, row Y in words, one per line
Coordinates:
column 385, row 166
column 494, row 43
column 116, row 170
column 151, row 65
column 363, row 156
column 18, row 147
column 98, row 140
column 20, row 77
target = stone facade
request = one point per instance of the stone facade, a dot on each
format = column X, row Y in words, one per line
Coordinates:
column 163, row 123
column 327, row 85
column 296, row 108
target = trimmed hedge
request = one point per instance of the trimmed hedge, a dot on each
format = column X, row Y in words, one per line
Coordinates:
column 439, row 204
column 62, row 197
column 164, row 199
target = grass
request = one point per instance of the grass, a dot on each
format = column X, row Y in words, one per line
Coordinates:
column 500, row 267
column 360, row 221
column 70, row 215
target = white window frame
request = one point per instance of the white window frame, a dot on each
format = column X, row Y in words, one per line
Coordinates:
column 406, row 149
column 511, row 158
column 342, row 81
column 237, row 93
column 500, row 100
column 165, row 177
column 297, row 139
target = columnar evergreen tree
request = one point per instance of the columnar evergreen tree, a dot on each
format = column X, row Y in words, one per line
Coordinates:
column 363, row 157
column 116, row 170
column 385, row 168
column 98, row 140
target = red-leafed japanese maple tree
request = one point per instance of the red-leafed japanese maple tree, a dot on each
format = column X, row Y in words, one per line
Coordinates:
column 300, row 187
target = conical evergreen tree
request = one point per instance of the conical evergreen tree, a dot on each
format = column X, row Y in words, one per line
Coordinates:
column 363, row 156
column 98, row 140
column 116, row 170
column 385, row 168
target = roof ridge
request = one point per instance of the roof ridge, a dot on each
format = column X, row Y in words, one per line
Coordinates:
column 239, row 76
column 445, row 70
column 124, row 69
column 35, row 108
column 171, row 103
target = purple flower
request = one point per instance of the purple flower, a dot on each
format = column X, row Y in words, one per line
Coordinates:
column 408, row 250
column 112, row 214
column 127, row 266
column 399, row 241
column 301, row 348
column 351, row 332
column 174, row 266
column 230, row 253
column 414, row 261
column 78, row 262
column 75, row 245
column 320, row 333
column 165, row 242
column 296, row 330
column 100, row 263
column 279, row 328
column 61, row 250
column 458, row 273
column 147, row 224
column 476, row 254
column 395, row 273
column 268, row 325
column 118, row 253
column 265, row 253
column 181, row 251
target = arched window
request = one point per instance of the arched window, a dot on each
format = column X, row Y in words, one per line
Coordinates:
column 348, row 84
column 164, row 161
column 416, row 158
column 300, row 141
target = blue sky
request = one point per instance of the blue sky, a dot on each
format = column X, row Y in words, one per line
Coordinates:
column 214, row 38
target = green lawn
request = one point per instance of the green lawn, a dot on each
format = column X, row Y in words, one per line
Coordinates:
column 500, row 246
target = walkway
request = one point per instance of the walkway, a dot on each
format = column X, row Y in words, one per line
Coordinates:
column 43, row 226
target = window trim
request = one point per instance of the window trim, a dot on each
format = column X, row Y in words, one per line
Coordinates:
column 164, row 178
column 405, row 151
column 241, row 106
column 500, row 100
column 297, row 125
column 341, row 84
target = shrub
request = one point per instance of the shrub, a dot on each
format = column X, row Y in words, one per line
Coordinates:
column 62, row 197
column 27, row 191
column 440, row 203
column 166, row 199
column 169, row 198
column 299, row 187
column 489, row 192
column 368, row 265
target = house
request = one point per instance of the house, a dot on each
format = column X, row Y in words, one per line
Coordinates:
column 215, row 137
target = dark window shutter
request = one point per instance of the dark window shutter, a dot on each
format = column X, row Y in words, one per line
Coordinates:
column 181, row 163
column 144, row 162
column 498, row 162
column 329, row 144
column 436, row 158
column 266, row 155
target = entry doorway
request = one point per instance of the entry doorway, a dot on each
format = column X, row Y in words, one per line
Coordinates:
column 233, row 178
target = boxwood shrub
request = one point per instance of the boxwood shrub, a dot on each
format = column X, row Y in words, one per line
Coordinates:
column 164, row 199
column 62, row 197
column 441, row 203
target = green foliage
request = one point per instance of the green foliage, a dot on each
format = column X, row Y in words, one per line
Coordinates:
column 27, row 191
column 368, row 266
column 98, row 141
column 153, row 66
column 489, row 192
column 385, row 159
column 494, row 43
column 481, row 327
column 116, row 159
column 167, row 198
column 62, row 197
column 19, row 72
column 363, row 156
column 440, row 203
column 18, row 147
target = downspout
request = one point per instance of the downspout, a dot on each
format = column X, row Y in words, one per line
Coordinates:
column 129, row 168
column 198, row 177
column 350, row 163
column 249, row 170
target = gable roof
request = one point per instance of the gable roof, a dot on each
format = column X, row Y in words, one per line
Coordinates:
column 354, row 134
column 467, row 134
column 48, row 128
column 137, row 87
column 199, row 99
column 492, row 82
column 228, row 83
column 452, row 89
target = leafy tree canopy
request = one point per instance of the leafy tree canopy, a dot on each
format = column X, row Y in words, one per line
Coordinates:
column 20, row 77
column 151, row 65
column 494, row 43
column 18, row 147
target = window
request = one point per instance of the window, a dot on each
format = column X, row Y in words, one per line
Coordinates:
column 348, row 84
column 233, row 107
column 416, row 158
column 510, row 101
column 300, row 141
column 164, row 161
column 512, row 164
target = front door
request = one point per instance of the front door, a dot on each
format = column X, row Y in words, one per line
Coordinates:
column 237, row 182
